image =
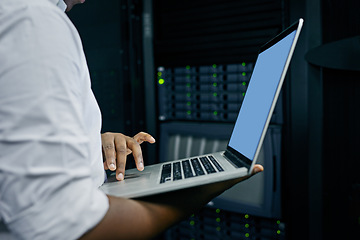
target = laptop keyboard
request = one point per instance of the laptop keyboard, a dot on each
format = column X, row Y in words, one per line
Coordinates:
column 189, row 168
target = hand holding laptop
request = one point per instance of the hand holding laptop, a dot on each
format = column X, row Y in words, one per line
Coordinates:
column 199, row 194
column 117, row 146
column 180, row 204
column 154, row 214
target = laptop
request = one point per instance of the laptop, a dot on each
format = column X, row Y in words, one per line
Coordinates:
column 246, row 139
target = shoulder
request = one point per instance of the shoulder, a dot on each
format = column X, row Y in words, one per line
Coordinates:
column 39, row 22
column 38, row 35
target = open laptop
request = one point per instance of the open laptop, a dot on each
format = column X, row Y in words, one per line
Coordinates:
column 246, row 139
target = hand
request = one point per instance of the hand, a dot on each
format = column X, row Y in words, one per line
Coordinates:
column 256, row 169
column 117, row 146
column 156, row 213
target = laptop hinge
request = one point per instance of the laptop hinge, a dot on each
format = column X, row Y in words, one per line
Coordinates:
column 237, row 162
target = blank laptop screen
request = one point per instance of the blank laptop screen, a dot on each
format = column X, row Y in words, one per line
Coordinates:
column 259, row 97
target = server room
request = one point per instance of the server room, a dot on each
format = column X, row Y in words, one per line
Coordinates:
column 180, row 70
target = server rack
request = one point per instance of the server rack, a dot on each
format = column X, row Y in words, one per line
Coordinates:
column 199, row 87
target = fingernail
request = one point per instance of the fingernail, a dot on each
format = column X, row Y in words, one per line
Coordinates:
column 141, row 166
column 121, row 176
column 152, row 139
column 112, row 166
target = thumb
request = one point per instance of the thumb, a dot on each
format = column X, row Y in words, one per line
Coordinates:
column 257, row 168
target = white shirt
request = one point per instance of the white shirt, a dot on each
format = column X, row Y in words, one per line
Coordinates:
column 50, row 143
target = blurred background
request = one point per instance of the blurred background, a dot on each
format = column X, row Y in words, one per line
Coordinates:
column 179, row 70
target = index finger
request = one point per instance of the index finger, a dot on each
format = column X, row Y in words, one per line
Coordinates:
column 144, row 137
column 134, row 146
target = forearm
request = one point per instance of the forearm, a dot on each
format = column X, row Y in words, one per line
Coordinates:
column 134, row 219
column 147, row 217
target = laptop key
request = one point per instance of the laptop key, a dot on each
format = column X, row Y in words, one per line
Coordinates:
column 197, row 167
column 207, row 165
column 177, row 171
column 165, row 173
column 187, row 169
column 216, row 164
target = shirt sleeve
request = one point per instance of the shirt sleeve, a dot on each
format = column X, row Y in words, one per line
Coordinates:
column 46, row 191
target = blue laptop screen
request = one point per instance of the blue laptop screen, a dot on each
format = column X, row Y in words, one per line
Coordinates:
column 259, row 96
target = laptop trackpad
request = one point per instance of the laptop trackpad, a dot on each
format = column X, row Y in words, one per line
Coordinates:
column 129, row 176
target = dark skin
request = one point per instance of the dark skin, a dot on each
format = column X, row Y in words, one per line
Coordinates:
column 144, row 218
column 117, row 146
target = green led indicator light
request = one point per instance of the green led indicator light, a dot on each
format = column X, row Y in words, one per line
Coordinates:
column 244, row 73
column 188, row 85
column 215, row 113
column 161, row 81
column 188, row 112
column 243, row 64
column 192, row 222
column 188, row 103
column 214, row 66
column 217, row 210
column 214, row 75
column 187, row 67
column 215, row 84
column 218, row 229
column 278, row 231
column 243, row 94
column 188, row 94
column 159, row 74
column 215, row 94
column 218, row 219
column 244, row 83
column 246, row 216
column 247, row 225
column 278, row 221
column 247, row 235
